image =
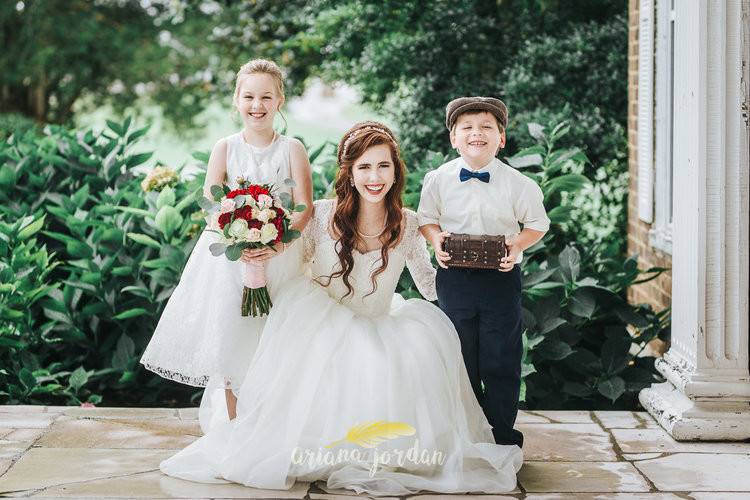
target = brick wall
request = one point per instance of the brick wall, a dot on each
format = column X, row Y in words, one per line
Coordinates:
column 657, row 292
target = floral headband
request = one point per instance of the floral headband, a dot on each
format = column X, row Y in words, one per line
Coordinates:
column 354, row 134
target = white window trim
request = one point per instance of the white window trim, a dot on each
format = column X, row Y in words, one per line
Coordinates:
column 646, row 110
column 660, row 234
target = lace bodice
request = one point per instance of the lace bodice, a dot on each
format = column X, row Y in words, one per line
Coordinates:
column 320, row 252
column 268, row 165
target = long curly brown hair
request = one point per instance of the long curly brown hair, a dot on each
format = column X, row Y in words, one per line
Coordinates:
column 354, row 143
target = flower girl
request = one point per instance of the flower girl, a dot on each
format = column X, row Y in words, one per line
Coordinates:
column 202, row 339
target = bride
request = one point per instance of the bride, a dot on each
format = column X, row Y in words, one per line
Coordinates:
column 351, row 384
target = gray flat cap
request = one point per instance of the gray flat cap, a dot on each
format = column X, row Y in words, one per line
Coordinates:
column 463, row 104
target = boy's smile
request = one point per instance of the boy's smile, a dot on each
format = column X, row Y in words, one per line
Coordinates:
column 477, row 138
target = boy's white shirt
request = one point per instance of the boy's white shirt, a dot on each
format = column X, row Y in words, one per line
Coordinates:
column 476, row 207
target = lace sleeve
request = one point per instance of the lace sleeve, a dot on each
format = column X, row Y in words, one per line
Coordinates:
column 418, row 258
column 314, row 229
column 308, row 238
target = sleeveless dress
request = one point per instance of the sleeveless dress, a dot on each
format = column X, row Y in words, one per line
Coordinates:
column 328, row 363
column 201, row 338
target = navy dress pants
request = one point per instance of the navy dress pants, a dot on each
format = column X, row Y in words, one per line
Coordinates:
column 485, row 307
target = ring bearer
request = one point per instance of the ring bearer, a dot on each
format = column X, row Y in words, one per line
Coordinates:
column 474, row 205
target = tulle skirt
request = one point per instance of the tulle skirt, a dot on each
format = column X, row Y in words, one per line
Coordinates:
column 392, row 388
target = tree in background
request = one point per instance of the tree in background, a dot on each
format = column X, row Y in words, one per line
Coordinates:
column 549, row 60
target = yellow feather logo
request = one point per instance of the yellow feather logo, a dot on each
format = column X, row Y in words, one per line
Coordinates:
column 371, row 434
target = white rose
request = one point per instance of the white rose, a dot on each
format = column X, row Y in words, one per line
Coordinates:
column 238, row 229
column 227, row 205
column 270, row 214
column 253, row 235
column 268, row 233
column 265, row 201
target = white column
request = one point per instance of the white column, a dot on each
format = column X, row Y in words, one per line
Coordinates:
column 707, row 393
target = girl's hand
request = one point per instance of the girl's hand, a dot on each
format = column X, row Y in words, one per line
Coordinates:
column 441, row 255
column 513, row 250
column 260, row 254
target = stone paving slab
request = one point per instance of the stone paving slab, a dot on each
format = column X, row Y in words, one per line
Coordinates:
column 698, row 472
column 570, row 477
column 70, row 432
column 154, row 484
column 566, row 442
column 65, row 452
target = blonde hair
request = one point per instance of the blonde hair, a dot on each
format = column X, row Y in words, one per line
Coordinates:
column 264, row 66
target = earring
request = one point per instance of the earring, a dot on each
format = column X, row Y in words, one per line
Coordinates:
column 351, row 182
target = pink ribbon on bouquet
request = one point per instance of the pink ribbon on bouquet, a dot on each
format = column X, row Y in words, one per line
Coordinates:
column 255, row 275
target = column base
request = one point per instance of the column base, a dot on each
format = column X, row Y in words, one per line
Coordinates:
column 689, row 420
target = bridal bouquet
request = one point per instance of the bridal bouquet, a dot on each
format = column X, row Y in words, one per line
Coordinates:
column 250, row 217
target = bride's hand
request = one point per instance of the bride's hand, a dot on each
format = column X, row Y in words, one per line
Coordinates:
column 260, row 254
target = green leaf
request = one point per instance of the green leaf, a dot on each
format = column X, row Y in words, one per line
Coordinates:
column 168, row 220
column 615, row 353
column 611, row 388
column 136, row 211
column 217, row 192
column 31, row 229
column 115, row 127
column 300, row 208
column 560, row 214
column 201, row 156
column 166, row 197
column 554, row 349
column 217, row 249
column 525, row 161
column 27, row 378
column 123, row 352
column 138, row 159
column 78, row 378
column 138, row 134
column 79, row 249
column 207, row 205
column 570, row 263
column 569, row 183
column 582, row 303
column 131, row 313
column 233, row 252
column 536, row 131
column 144, row 240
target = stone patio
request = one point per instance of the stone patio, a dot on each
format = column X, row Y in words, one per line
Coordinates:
column 67, row 452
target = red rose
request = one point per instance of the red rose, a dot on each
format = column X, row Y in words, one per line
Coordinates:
column 224, row 219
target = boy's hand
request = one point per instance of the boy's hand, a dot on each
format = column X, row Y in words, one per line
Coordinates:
column 440, row 255
column 513, row 250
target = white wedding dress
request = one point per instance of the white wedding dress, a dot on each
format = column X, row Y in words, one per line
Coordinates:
column 326, row 363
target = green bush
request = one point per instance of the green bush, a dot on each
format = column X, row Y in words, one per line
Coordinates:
column 120, row 252
column 89, row 260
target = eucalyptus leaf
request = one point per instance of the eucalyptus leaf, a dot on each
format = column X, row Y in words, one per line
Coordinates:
column 217, row 249
column 233, row 252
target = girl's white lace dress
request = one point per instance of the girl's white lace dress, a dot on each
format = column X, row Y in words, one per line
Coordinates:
column 326, row 364
column 202, row 339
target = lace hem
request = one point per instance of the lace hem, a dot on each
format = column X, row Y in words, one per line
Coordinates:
column 200, row 381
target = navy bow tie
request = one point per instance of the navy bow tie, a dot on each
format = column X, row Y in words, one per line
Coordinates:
column 465, row 175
